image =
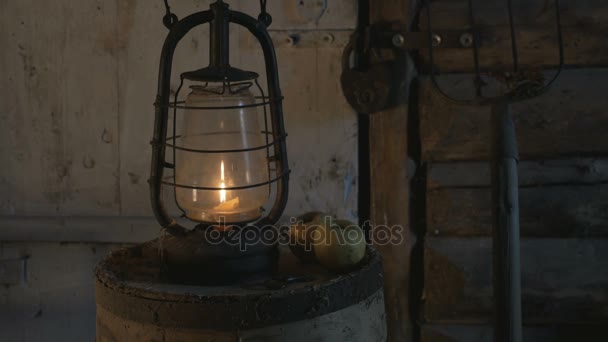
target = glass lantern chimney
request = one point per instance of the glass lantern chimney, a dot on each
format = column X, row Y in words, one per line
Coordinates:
column 221, row 129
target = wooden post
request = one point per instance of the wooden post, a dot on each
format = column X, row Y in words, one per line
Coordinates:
column 506, row 247
column 389, row 180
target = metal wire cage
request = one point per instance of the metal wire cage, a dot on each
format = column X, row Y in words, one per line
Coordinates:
column 228, row 80
column 473, row 39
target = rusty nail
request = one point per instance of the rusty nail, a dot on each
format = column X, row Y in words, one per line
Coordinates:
column 328, row 38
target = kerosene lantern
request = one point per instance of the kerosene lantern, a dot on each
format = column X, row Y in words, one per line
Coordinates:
column 225, row 159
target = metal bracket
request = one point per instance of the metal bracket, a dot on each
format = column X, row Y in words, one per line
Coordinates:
column 447, row 39
column 377, row 36
column 452, row 39
column 374, row 88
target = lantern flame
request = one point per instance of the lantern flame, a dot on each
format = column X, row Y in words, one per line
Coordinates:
column 222, row 184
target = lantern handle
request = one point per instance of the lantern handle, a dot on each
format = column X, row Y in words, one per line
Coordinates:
column 264, row 16
column 169, row 19
column 178, row 30
column 259, row 31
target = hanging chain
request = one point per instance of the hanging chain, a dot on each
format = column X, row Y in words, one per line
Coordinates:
column 264, row 17
column 170, row 18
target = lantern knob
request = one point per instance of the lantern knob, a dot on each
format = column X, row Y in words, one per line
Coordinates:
column 265, row 19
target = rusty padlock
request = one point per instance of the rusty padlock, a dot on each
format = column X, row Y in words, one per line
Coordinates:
column 367, row 91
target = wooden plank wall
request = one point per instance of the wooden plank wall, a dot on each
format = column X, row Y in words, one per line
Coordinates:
column 563, row 177
column 564, row 206
column 78, row 81
column 59, row 110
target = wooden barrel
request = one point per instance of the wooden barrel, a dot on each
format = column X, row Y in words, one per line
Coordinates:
column 300, row 302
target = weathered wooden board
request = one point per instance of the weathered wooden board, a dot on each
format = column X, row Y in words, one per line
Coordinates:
column 558, row 198
column 140, row 36
column 322, row 128
column 305, row 14
column 546, row 211
column 531, row 173
column 389, row 181
column 103, row 229
column 484, row 333
column 583, row 27
column 569, row 120
column 564, row 281
column 58, row 114
column 527, row 13
column 56, row 301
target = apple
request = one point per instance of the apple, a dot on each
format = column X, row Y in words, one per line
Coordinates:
column 339, row 245
column 301, row 234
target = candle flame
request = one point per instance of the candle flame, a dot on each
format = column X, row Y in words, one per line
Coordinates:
column 222, row 184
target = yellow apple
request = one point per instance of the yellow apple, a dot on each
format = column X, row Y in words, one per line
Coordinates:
column 339, row 246
column 301, row 234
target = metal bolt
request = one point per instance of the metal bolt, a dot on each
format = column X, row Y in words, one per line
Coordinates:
column 466, row 40
column 293, row 39
column 398, row 40
column 436, row 40
column 328, row 38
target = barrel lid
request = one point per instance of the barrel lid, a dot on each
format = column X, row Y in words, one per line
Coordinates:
column 129, row 283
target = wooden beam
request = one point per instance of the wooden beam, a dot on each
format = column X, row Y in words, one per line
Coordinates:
column 389, row 207
column 389, row 181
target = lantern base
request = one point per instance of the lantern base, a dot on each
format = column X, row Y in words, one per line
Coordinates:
column 222, row 272
column 206, row 256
